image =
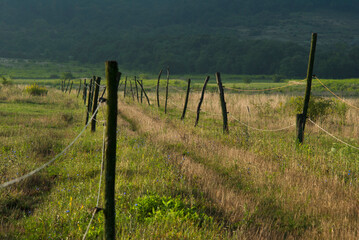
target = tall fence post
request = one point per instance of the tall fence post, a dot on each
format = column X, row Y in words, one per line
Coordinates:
column 186, row 101
column 158, row 88
column 89, row 100
column 68, row 84
column 124, row 91
column 301, row 118
column 110, row 162
column 136, row 90
column 168, row 79
column 78, row 92
column 95, row 100
column 84, row 94
column 201, row 100
column 143, row 90
column 72, row 82
column 132, row 93
column 223, row 103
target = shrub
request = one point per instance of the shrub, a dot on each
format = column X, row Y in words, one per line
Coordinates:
column 277, row 78
column 319, row 107
column 247, row 80
column 6, row 81
column 36, row 90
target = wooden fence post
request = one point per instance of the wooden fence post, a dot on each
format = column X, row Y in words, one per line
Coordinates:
column 301, row 118
column 143, row 90
column 95, row 100
column 62, row 85
column 110, row 161
column 168, row 79
column 186, row 101
column 68, row 84
column 72, row 82
column 223, row 103
column 89, row 100
column 136, row 90
column 124, row 91
column 78, row 92
column 158, row 88
column 201, row 100
column 132, row 93
column 84, row 94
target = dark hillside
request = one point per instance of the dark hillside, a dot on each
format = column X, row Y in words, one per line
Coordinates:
column 250, row 37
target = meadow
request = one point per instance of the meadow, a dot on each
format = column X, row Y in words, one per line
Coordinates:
column 177, row 181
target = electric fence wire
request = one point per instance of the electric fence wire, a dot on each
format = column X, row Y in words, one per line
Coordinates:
column 335, row 95
column 100, row 182
column 6, row 184
column 263, row 130
column 339, row 140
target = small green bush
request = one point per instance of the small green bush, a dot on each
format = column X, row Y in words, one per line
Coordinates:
column 319, row 107
column 153, row 207
column 6, row 80
column 277, row 78
column 36, row 90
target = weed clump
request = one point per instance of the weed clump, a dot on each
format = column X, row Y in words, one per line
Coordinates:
column 36, row 90
column 151, row 208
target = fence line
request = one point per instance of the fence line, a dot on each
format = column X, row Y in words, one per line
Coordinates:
column 258, row 129
column 6, row 184
column 263, row 90
column 339, row 140
column 99, row 185
column 341, row 99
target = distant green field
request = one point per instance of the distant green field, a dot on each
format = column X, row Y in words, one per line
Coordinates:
column 49, row 74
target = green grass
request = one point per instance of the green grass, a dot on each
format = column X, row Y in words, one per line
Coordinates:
column 153, row 200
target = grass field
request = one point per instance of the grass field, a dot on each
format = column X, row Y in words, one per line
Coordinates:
column 177, row 181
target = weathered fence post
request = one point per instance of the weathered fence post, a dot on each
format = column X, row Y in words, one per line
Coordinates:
column 201, row 100
column 132, row 93
column 72, row 82
column 158, row 88
column 141, row 91
column 301, row 118
column 186, row 101
column 124, row 91
column 89, row 100
column 62, row 85
column 223, row 103
column 136, row 90
column 84, row 94
column 95, row 100
column 168, row 79
column 110, row 162
column 68, row 84
column 78, row 92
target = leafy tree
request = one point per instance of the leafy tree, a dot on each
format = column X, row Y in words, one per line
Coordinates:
column 67, row 76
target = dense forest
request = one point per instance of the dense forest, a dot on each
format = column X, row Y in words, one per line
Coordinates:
column 242, row 37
